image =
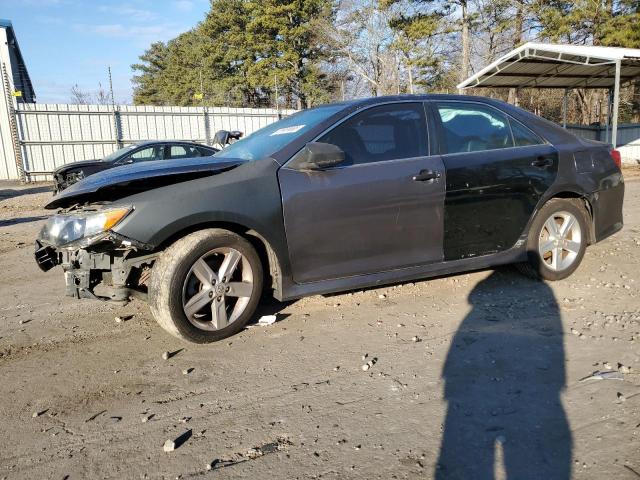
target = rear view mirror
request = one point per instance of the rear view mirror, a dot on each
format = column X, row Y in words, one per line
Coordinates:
column 318, row 156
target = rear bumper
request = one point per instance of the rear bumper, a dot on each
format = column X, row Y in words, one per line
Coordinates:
column 607, row 208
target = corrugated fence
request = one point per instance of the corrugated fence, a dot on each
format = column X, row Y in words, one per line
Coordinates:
column 51, row 135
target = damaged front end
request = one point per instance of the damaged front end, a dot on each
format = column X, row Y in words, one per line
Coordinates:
column 98, row 263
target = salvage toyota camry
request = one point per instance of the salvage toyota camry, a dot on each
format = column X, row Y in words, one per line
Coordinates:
column 334, row 198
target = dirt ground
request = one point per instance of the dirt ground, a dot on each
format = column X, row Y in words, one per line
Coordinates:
column 474, row 376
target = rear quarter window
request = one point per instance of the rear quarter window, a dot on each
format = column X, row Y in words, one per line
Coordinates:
column 522, row 136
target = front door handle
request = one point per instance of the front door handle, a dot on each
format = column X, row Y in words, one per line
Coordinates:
column 542, row 162
column 426, row 176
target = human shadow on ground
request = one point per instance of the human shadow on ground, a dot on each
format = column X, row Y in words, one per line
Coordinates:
column 504, row 374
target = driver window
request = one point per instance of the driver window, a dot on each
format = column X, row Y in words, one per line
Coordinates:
column 471, row 127
column 387, row 132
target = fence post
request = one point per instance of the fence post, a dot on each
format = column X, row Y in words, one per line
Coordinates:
column 13, row 126
column 117, row 127
column 207, row 126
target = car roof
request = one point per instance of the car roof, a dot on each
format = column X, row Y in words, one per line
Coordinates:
column 155, row 142
column 416, row 97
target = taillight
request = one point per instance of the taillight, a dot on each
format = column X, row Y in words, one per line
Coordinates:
column 616, row 157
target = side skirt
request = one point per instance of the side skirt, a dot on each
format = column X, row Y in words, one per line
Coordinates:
column 292, row 291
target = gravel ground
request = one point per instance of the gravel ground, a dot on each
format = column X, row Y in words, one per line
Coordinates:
column 477, row 375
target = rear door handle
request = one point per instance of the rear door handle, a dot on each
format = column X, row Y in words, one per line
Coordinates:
column 426, row 176
column 542, row 162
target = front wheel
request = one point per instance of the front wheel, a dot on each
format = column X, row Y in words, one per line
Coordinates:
column 557, row 240
column 206, row 286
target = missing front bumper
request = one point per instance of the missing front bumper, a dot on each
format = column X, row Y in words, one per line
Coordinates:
column 114, row 276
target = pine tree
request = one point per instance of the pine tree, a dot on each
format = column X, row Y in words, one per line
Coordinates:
column 290, row 51
column 147, row 89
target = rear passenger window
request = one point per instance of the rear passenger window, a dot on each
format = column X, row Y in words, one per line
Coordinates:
column 522, row 136
column 473, row 128
column 205, row 152
column 183, row 151
column 387, row 132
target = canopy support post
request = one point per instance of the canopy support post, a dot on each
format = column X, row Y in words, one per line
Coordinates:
column 616, row 102
column 564, row 108
column 607, row 118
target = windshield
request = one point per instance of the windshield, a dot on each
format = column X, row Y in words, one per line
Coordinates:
column 118, row 153
column 268, row 140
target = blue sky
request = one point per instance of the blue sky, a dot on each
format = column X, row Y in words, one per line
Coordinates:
column 67, row 42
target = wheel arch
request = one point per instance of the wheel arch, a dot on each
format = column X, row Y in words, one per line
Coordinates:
column 263, row 246
column 585, row 202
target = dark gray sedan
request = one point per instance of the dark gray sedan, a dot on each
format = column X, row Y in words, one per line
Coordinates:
column 335, row 198
column 70, row 173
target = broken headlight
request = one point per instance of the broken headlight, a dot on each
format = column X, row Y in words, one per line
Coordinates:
column 81, row 228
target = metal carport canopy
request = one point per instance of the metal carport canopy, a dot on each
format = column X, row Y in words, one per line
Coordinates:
column 540, row 65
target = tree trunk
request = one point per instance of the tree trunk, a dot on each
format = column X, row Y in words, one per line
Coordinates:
column 410, row 79
column 635, row 101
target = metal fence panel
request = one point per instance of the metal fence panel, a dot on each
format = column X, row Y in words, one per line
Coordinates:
column 629, row 140
column 54, row 134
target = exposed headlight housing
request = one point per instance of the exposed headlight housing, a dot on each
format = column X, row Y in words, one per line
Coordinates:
column 82, row 228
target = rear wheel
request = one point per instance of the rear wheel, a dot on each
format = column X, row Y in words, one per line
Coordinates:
column 206, row 286
column 557, row 240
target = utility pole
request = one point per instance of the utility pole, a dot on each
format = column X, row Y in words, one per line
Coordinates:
column 201, row 87
column 275, row 77
column 113, row 101
column 117, row 127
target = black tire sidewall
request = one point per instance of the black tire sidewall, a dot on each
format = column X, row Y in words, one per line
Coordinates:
column 551, row 207
column 178, row 274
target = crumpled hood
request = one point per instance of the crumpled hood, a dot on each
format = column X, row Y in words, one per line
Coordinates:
column 126, row 180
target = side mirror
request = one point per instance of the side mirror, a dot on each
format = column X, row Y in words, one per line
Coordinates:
column 127, row 161
column 318, row 156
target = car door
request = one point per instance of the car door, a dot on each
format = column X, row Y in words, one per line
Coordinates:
column 381, row 209
column 497, row 171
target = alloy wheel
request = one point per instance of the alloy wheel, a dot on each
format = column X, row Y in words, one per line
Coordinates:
column 217, row 289
column 560, row 241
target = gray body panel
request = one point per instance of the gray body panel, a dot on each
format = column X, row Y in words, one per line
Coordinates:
column 361, row 218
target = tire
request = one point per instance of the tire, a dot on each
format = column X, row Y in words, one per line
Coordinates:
column 559, row 262
column 176, row 280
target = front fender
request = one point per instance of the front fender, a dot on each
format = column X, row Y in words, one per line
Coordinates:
column 248, row 195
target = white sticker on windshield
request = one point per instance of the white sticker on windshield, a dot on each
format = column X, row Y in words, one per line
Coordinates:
column 285, row 130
